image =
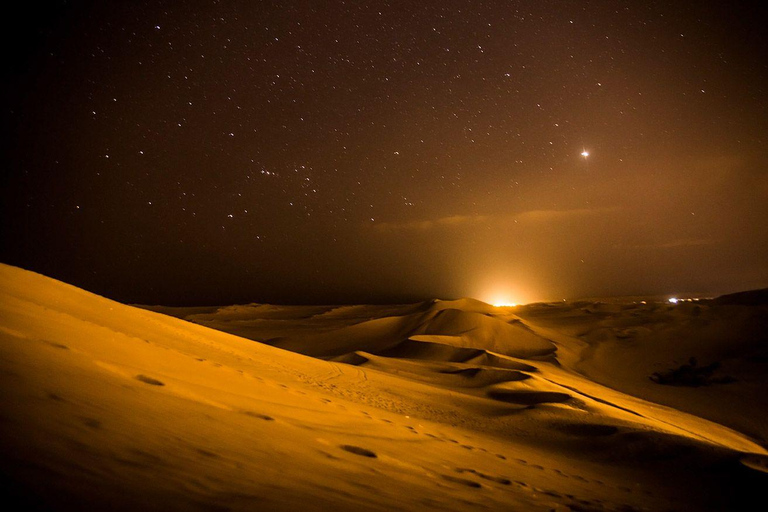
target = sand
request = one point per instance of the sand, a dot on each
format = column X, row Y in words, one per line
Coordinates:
column 443, row 405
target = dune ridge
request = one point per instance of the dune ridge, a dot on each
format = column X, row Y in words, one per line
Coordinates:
column 445, row 405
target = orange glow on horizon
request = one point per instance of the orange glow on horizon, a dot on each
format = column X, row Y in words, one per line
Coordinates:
column 501, row 294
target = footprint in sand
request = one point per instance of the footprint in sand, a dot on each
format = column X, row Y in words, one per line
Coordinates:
column 328, row 455
column 259, row 416
column 92, row 423
column 497, row 479
column 358, row 451
column 206, row 453
column 462, row 481
column 582, row 502
column 149, row 380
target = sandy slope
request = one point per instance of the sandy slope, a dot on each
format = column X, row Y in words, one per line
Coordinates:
column 643, row 339
column 444, row 406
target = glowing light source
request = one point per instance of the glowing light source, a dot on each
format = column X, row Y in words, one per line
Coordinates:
column 673, row 300
column 503, row 298
column 585, row 153
column 501, row 290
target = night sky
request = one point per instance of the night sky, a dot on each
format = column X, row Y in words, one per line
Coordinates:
column 339, row 152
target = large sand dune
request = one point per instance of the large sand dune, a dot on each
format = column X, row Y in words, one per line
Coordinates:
column 444, row 405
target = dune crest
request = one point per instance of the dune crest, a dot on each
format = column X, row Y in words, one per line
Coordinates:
column 446, row 405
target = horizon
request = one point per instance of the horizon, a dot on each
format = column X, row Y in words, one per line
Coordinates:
column 672, row 298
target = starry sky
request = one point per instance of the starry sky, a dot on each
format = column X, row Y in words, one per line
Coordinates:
column 198, row 152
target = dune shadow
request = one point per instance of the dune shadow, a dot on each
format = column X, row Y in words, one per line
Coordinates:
column 527, row 397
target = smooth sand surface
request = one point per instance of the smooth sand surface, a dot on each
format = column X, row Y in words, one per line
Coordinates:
column 444, row 405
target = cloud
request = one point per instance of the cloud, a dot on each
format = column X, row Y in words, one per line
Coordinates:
column 455, row 221
column 555, row 215
column 674, row 244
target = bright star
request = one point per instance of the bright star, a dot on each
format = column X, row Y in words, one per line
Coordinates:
column 585, row 153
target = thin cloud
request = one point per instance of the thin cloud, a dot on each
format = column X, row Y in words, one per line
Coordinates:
column 454, row 221
column 554, row 215
column 674, row 244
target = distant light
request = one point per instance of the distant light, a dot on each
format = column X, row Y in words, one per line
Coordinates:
column 585, row 153
column 499, row 293
column 673, row 300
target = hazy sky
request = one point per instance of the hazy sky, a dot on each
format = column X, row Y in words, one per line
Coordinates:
column 218, row 152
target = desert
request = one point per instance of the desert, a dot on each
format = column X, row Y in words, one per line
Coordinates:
column 441, row 405
column 384, row 255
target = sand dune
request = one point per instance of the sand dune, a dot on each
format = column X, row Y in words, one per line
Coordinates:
column 443, row 405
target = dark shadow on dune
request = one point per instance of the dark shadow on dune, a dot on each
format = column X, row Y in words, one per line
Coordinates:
column 691, row 375
column 480, row 377
column 410, row 349
column 586, row 429
column 149, row 380
column 353, row 358
column 358, row 451
column 497, row 361
column 528, row 397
